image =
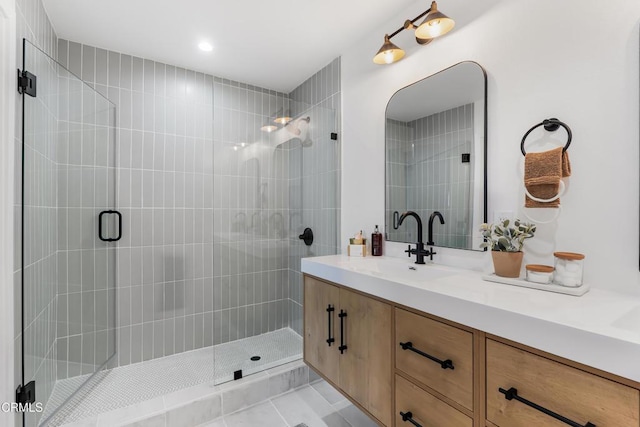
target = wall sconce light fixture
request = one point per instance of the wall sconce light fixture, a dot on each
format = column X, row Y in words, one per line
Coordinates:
column 435, row 24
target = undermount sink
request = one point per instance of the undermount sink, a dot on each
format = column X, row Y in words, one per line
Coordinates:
column 629, row 321
column 402, row 271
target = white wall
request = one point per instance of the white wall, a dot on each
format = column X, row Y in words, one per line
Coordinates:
column 7, row 108
column 574, row 60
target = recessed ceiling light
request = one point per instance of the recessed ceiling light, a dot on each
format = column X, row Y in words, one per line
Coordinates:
column 205, row 46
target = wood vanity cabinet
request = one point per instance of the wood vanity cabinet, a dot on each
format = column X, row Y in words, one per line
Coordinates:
column 397, row 366
column 347, row 339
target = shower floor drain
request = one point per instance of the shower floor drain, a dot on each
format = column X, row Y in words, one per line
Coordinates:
column 255, row 358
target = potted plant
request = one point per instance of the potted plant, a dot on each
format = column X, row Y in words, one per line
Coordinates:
column 506, row 242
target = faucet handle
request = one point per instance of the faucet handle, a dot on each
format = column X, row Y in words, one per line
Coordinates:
column 431, row 253
column 408, row 251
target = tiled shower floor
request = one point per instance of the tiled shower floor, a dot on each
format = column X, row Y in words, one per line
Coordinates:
column 135, row 383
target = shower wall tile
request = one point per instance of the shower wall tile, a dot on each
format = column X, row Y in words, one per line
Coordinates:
column 437, row 179
column 314, row 178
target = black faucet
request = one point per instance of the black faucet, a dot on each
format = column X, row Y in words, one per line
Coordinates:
column 431, row 218
column 419, row 251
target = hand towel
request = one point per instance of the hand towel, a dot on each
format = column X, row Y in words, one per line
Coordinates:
column 542, row 174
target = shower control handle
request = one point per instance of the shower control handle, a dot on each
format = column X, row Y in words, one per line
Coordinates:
column 330, row 310
column 307, row 236
column 343, row 346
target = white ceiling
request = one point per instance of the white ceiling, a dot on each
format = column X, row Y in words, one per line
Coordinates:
column 275, row 44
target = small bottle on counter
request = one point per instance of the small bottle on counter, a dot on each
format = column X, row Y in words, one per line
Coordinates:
column 376, row 242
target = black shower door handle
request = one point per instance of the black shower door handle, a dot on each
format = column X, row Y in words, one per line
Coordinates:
column 119, row 235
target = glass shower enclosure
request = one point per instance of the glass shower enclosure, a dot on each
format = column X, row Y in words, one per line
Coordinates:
column 224, row 298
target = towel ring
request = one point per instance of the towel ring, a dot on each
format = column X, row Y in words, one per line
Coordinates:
column 538, row 222
column 561, row 188
column 550, row 125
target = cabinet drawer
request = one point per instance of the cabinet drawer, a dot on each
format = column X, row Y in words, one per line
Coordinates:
column 572, row 393
column 425, row 409
column 442, row 342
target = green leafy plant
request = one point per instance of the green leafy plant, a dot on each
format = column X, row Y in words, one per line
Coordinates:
column 505, row 238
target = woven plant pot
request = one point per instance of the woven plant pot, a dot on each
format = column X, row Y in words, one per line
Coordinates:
column 507, row 264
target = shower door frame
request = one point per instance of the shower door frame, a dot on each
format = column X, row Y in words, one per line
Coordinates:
column 7, row 179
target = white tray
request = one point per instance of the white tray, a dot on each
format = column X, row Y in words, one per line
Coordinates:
column 579, row 291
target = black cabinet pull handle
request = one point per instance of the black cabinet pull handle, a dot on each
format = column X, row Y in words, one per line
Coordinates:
column 107, row 239
column 330, row 310
column 408, row 416
column 444, row 364
column 512, row 394
column 343, row 346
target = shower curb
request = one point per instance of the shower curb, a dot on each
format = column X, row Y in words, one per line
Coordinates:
column 200, row 404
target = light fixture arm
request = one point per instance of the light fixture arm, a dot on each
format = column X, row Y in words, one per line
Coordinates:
column 408, row 24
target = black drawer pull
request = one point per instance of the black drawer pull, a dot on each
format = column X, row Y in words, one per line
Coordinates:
column 408, row 416
column 330, row 310
column 512, row 393
column 343, row 346
column 444, row 364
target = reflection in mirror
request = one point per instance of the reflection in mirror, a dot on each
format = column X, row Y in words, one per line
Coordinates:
column 435, row 156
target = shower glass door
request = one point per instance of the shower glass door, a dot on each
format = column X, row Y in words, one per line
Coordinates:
column 273, row 187
column 69, row 233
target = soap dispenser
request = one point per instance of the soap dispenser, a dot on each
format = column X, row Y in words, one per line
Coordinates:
column 376, row 242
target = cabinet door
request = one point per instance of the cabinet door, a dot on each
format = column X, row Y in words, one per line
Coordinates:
column 319, row 326
column 365, row 365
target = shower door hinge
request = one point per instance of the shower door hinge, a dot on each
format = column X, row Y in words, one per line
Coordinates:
column 27, row 393
column 334, row 136
column 27, row 83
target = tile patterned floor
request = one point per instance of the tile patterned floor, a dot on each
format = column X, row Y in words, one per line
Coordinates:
column 315, row 405
column 127, row 385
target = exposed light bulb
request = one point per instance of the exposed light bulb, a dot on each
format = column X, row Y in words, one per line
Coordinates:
column 388, row 57
column 205, row 46
column 235, row 148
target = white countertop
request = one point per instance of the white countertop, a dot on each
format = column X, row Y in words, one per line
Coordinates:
column 599, row 329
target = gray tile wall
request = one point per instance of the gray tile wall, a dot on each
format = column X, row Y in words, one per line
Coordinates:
column 398, row 151
column 164, row 191
column 314, row 177
column 250, row 288
column 40, row 220
column 86, row 183
column 426, row 174
column 204, row 194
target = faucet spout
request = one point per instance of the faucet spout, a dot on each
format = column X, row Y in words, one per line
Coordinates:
column 431, row 218
column 417, row 217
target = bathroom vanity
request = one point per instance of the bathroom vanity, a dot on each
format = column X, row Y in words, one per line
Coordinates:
column 434, row 346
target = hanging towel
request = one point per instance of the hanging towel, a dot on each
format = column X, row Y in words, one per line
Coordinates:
column 542, row 175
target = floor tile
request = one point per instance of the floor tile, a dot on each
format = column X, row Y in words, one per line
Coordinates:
column 330, row 394
column 356, row 417
column 264, row 414
column 307, row 406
